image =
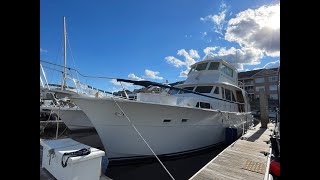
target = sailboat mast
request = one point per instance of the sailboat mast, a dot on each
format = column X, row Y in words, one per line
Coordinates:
column 65, row 53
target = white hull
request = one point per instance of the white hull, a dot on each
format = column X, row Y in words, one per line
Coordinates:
column 74, row 118
column 203, row 127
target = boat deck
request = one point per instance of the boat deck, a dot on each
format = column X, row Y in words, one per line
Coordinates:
column 243, row 159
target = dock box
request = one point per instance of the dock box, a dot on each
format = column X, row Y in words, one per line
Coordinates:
column 231, row 135
column 80, row 167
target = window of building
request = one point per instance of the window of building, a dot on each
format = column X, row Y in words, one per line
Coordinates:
column 201, row 67
column 251, row 97
column 203, row 89
column 228, row 71
column 203, row 105
column 248, row 82
column 273, row 96
column 248, row 88
column 214, row 66
column 259, row 87
column 257, row 96
column 273, row 79
column 228, row 94
column 273, row 87
column 259, row 80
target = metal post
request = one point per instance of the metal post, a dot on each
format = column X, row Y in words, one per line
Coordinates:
column 264, row 115
column 65, row 53
column 58, row 123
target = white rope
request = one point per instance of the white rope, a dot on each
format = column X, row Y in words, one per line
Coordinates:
column 143, row 138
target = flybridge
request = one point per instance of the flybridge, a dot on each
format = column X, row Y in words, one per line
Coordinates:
column 212, row 71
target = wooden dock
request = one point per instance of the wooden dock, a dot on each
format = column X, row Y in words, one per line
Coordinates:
column 243, row 159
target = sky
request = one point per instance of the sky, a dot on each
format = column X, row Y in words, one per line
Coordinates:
column 157, row 40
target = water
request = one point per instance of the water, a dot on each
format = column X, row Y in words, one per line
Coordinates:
column 179, row 167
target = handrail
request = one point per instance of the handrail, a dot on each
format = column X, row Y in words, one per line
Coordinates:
column 78, row 85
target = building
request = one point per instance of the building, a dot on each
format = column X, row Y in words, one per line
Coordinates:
column 266, row 79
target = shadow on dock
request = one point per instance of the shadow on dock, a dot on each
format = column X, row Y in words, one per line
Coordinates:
column 256, row 135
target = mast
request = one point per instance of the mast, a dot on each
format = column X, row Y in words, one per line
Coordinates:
column 65, row 53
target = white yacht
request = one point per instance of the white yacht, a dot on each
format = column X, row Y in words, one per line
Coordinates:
column 189, row 117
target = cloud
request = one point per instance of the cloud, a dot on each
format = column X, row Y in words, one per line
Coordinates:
column 134, row 77
column 188, row 57
column 243, row 70
column 217, row 19
column 255, row 69
column 203, row 34
column 152, row 74
column 184, row 73
column 174, row 61
column 274, row 64
column 208, row 50
column 43, row 50
column 258, row 28
column 194, row 54
column 236, row 57
column 124, row 84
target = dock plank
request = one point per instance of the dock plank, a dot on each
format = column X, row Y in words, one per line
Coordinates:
column 229, row 164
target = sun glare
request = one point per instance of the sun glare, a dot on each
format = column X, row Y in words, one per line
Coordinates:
column 274, row 21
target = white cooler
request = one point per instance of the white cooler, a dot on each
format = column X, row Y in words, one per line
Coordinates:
column 80, row 167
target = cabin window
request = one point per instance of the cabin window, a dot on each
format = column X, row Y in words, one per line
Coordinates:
column 173, row 91
column 240, row 100
column 203, row 89
column 228, row 71
column 192, row 69
column 228, row 94
column 216, row 90
column 203, row 105
column 222, row 91
column 187, row 88
column 214, row 66
column 239, row 96
column 201, row 67
column 232, row 97
column 184, row 120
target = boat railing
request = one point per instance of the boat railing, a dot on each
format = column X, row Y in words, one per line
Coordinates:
column 73, row 84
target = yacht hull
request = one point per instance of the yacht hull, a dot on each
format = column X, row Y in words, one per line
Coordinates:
column 167, row 129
